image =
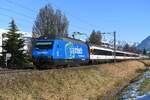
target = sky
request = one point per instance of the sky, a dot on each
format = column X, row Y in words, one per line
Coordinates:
column 129, row 18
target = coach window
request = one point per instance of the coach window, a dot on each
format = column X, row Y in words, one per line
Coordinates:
column 102, row 52
column 119, row 54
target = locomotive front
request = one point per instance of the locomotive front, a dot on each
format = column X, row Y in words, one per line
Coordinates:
column 42, row 52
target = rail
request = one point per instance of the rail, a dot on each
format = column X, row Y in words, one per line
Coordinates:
column 10, row 71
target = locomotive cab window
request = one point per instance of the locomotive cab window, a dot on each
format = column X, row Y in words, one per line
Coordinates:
column 44, row 45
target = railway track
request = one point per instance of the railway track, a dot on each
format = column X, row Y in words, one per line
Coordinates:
column 9, row 71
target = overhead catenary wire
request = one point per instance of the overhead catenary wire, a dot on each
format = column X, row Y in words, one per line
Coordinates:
column 22, row 20
column 5, row 15
column 18, row 13
column 73, row 16
column 10, row 10
column 21, row 15
column 22, row 6
column 29, row 9
column 78, row 19
column 29, row 21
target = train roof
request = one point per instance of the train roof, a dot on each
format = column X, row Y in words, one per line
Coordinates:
column 111, row 49
column 73, row 40
column 67, row 39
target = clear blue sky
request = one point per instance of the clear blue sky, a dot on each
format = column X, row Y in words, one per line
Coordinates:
column 129, row 18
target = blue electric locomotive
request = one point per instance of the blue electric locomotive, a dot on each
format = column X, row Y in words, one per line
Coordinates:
column 61, row 51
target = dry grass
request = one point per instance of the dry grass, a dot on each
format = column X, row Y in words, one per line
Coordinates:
column 146, row 62
column 95, row 82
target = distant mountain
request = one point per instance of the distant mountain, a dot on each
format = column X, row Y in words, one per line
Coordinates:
column 145, row 44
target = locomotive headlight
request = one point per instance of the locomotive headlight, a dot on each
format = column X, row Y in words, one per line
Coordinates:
column 49, row 58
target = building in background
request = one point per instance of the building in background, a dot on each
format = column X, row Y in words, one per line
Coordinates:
column 27, row 37
column 1, row 39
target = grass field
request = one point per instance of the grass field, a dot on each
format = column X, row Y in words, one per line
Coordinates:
column 87, row 83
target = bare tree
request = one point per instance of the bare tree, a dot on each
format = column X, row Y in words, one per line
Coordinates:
column 50, row 23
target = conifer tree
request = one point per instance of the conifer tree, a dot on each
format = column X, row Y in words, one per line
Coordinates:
column 2, row 61
column 95, row 38
column 14, row 45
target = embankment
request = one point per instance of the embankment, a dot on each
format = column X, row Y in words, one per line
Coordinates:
column 87, row 83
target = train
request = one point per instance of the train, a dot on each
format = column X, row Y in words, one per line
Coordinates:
column 72, row 52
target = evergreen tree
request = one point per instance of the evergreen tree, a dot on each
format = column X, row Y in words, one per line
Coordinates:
column 95, row 37
column 14, row 45
column 126, row 47
column 130, row 48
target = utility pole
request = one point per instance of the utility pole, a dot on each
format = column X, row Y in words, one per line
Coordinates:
column 114, row 47
column 114, row 44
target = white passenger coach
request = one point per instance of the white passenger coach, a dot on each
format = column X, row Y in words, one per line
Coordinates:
column 100, row 54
